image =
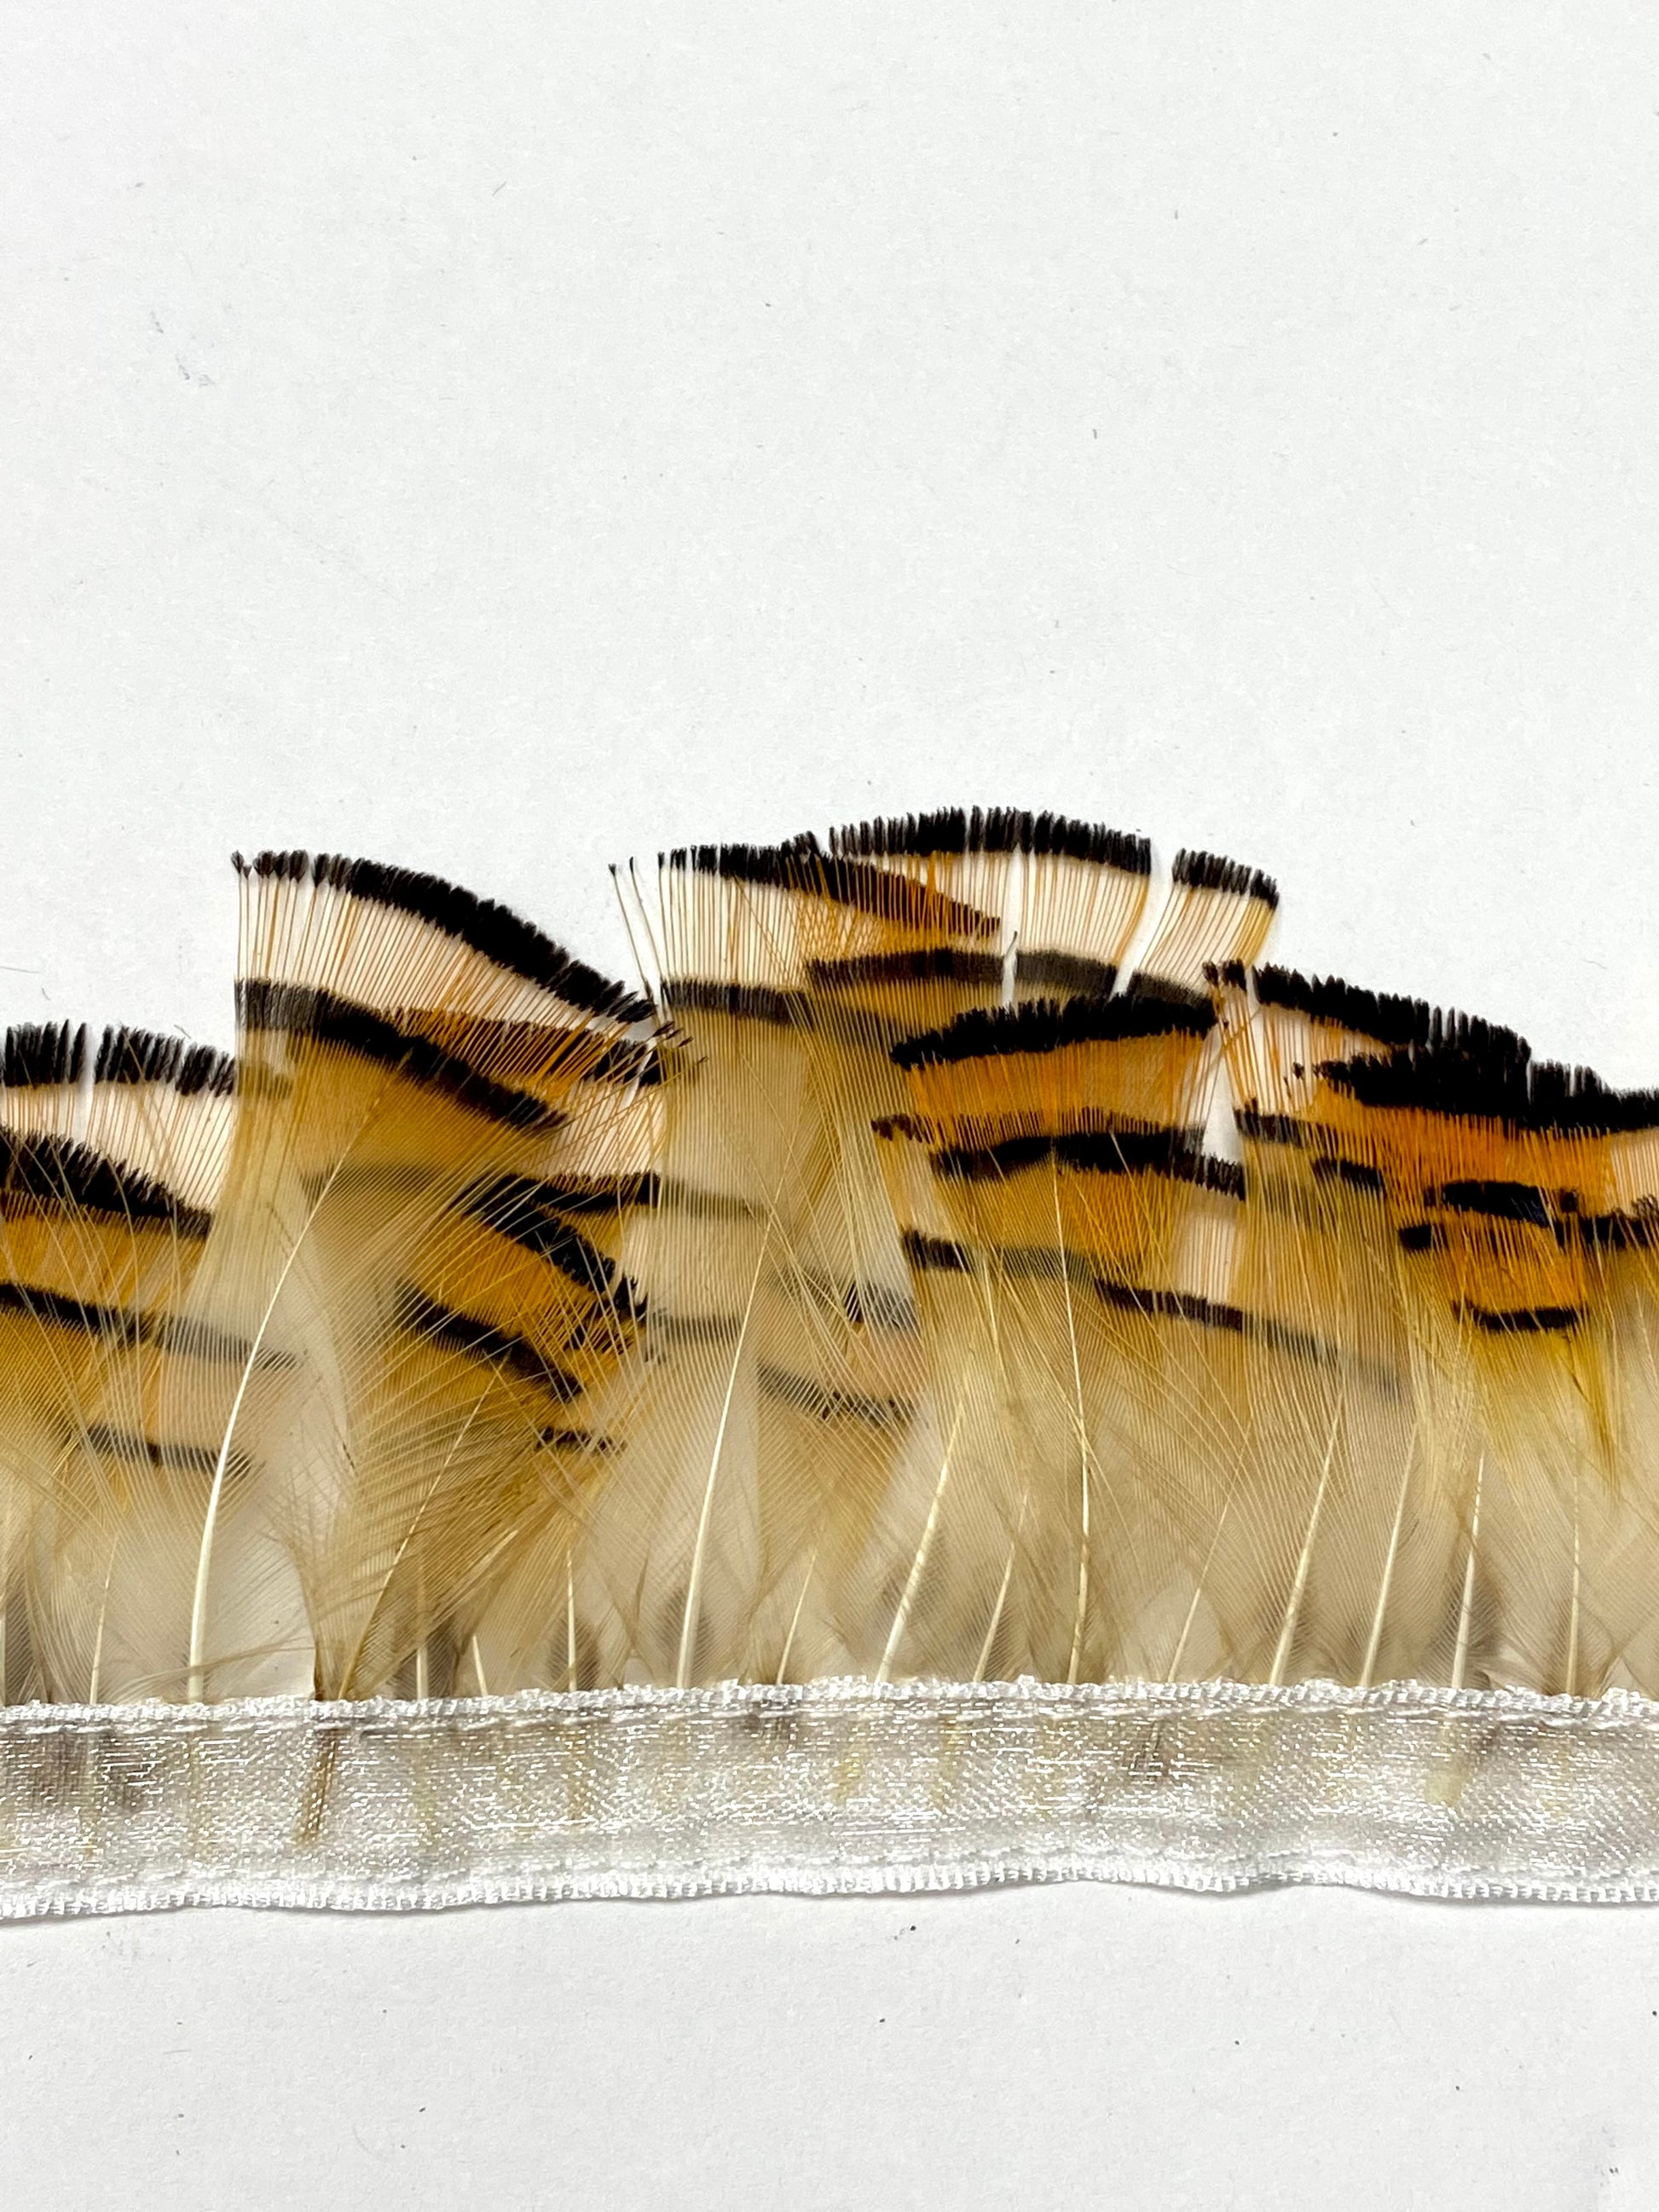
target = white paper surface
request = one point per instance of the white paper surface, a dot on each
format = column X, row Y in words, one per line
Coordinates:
column 501, row 440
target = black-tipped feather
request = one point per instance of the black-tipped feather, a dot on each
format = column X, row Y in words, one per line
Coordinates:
column 494, row 931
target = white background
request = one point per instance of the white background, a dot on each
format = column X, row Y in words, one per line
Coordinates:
column 502, row 438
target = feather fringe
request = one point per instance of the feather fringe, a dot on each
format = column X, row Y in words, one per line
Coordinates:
column 912, row 1280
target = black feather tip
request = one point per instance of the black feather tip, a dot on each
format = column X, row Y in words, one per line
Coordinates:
column 37, row 1054
column 960, row 831
column 1211, row 872
column 1044, row 1026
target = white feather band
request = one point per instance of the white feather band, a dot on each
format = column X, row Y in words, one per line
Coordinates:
column 837, row 1787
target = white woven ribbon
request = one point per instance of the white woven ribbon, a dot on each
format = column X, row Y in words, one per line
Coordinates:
column 838, row 1786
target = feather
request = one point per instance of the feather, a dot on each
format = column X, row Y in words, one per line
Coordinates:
column 402, row 1049
column 1083, row 893
column 778, row 1335
column 1495, row 1169
column 1043, row 1174
column 1217, row 913
column 99, row 1251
